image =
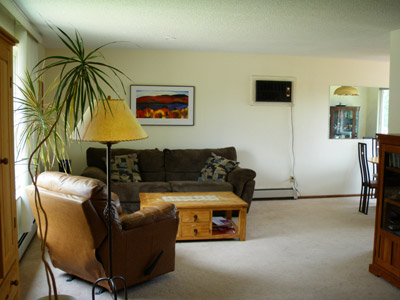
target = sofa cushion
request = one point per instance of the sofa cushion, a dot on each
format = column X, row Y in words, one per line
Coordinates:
column 186, row 164
column 199, row 186
column 217, row 168
column 125, row 168
column 151, row 161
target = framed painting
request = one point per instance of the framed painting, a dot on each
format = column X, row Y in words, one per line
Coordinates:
column 163, row 104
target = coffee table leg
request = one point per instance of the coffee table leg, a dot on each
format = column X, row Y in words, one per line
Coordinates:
column 228, row 214
column 242, row 224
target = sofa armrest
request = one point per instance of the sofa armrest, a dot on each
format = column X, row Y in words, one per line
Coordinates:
column 148, row 215
column 239, row 177
column 94, row 172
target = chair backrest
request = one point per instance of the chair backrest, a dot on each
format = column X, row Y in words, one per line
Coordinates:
column 75, row 229
column 363, row 161
column 375, row 151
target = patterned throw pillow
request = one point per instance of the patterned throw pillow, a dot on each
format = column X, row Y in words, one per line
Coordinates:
column 125, row 168
column 217, row 168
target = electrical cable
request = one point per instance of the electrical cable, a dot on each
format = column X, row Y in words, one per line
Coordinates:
column 295, row 188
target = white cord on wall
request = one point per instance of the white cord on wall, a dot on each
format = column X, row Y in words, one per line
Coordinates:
column 294, row 180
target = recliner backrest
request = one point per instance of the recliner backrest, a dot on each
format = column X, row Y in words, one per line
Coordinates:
column 75, row 229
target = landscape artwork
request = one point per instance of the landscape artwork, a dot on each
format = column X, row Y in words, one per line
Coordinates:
column 163, row 105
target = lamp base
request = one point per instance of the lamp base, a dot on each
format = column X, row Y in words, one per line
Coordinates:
column 60, row 297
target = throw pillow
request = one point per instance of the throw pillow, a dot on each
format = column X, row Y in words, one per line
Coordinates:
column 125, row 168
column 217, row 168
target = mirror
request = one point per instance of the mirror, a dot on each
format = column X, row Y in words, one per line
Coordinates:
column 358, row 117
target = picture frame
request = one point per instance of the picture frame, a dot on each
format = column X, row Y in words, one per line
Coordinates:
column 163, row 104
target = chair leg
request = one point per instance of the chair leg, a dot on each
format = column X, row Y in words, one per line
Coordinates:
column 364, row 201
column 361, row 199
column 367, row 202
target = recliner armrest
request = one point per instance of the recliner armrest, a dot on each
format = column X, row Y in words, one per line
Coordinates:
column 94, row 172
column 148, row 215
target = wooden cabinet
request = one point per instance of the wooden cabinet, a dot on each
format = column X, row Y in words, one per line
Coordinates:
column 344, row 122
column 9, row 268
column 386, row 255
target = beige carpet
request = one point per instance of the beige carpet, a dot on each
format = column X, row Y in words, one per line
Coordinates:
column 295, row 249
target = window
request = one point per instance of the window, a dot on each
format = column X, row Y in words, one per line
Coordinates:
column 383, row 111
column 20, row 154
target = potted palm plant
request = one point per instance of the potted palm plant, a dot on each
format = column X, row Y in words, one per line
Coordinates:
column 50, row 117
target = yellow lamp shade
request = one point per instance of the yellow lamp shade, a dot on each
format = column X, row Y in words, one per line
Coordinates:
column 109, row 123
column 346, row 91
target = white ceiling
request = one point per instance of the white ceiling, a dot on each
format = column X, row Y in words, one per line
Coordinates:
column 356, row 29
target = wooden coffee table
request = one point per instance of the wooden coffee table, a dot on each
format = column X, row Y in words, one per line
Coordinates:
column 196, row 211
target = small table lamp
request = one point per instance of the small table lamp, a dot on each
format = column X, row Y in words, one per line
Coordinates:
column 109, row 123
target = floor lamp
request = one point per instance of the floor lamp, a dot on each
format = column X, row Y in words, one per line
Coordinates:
column 109, row 123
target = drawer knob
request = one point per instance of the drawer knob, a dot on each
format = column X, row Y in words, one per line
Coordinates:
column 4, row 161
column 195, row 232
column 15, row 282
column 195, row 218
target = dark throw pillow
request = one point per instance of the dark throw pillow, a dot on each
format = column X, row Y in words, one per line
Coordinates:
column 125, row 168
column 217, row 168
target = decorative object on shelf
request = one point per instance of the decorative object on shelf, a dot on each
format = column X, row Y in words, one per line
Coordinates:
column 346, row 91
column 109, row 124
column 79, row 84
column 163, row 104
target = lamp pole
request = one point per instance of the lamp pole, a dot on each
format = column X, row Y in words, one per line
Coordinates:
column 109, row 213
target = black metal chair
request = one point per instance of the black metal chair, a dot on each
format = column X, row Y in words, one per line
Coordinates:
column 368, row 186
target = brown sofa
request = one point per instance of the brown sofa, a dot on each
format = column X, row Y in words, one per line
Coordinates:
column 170, row 171
column 77, row 231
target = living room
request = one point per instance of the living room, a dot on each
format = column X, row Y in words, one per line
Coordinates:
column 277, row 141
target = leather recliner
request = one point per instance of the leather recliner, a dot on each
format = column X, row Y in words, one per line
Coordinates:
column 77, row 240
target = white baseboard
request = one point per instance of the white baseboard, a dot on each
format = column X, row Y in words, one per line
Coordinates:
column 274, row 193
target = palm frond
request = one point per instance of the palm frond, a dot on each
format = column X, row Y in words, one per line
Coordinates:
column 36, row 121
column 82, row 77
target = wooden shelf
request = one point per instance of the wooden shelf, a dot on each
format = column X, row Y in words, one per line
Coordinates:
column 392, row 201
column 391, row 169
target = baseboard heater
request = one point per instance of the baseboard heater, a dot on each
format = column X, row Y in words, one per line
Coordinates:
column 25, row 239
column 271, row 194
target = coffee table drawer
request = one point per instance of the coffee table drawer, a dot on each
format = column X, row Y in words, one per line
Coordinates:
column 195, row 216
column 195, row 230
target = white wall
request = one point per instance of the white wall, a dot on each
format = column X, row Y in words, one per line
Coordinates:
column 372, row 115
column 394, row 96
column 261, row 134
column 6, row 20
